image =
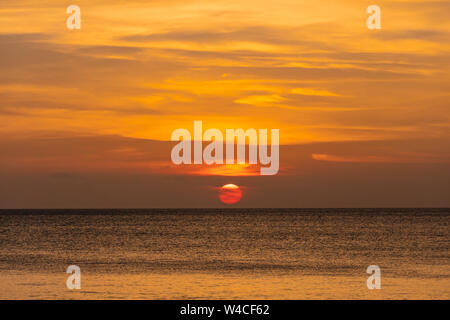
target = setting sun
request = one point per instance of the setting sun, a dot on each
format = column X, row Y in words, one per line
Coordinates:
column 230, row 194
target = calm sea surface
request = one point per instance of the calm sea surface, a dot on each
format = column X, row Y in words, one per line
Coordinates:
column 225, row 254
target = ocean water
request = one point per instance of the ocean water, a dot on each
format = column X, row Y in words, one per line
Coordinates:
column 225, row 254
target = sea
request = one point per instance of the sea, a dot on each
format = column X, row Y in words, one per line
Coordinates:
column 225, row 253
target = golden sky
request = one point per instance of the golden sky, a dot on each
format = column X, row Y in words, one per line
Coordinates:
column 139, row 69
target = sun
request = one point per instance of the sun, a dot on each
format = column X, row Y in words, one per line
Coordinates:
column 230, row 194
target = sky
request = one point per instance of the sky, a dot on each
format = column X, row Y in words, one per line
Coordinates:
column 86, row 115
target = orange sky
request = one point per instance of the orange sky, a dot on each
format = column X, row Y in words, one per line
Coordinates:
column 139, row 69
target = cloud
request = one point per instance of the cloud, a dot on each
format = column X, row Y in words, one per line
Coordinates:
column 140, row 69
column 396, row 158
column 261, row 100
column 262, row 34
column 15, row 38
column 109, row 50
column 314, row 92
column 418, row 34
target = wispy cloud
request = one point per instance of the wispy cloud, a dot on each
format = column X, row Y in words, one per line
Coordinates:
column 314, row 92
column 261, row 100
column 140, row 69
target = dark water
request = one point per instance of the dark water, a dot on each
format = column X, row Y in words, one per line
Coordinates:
column 173, row 246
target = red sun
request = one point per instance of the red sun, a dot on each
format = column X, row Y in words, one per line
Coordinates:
column 230, row 194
